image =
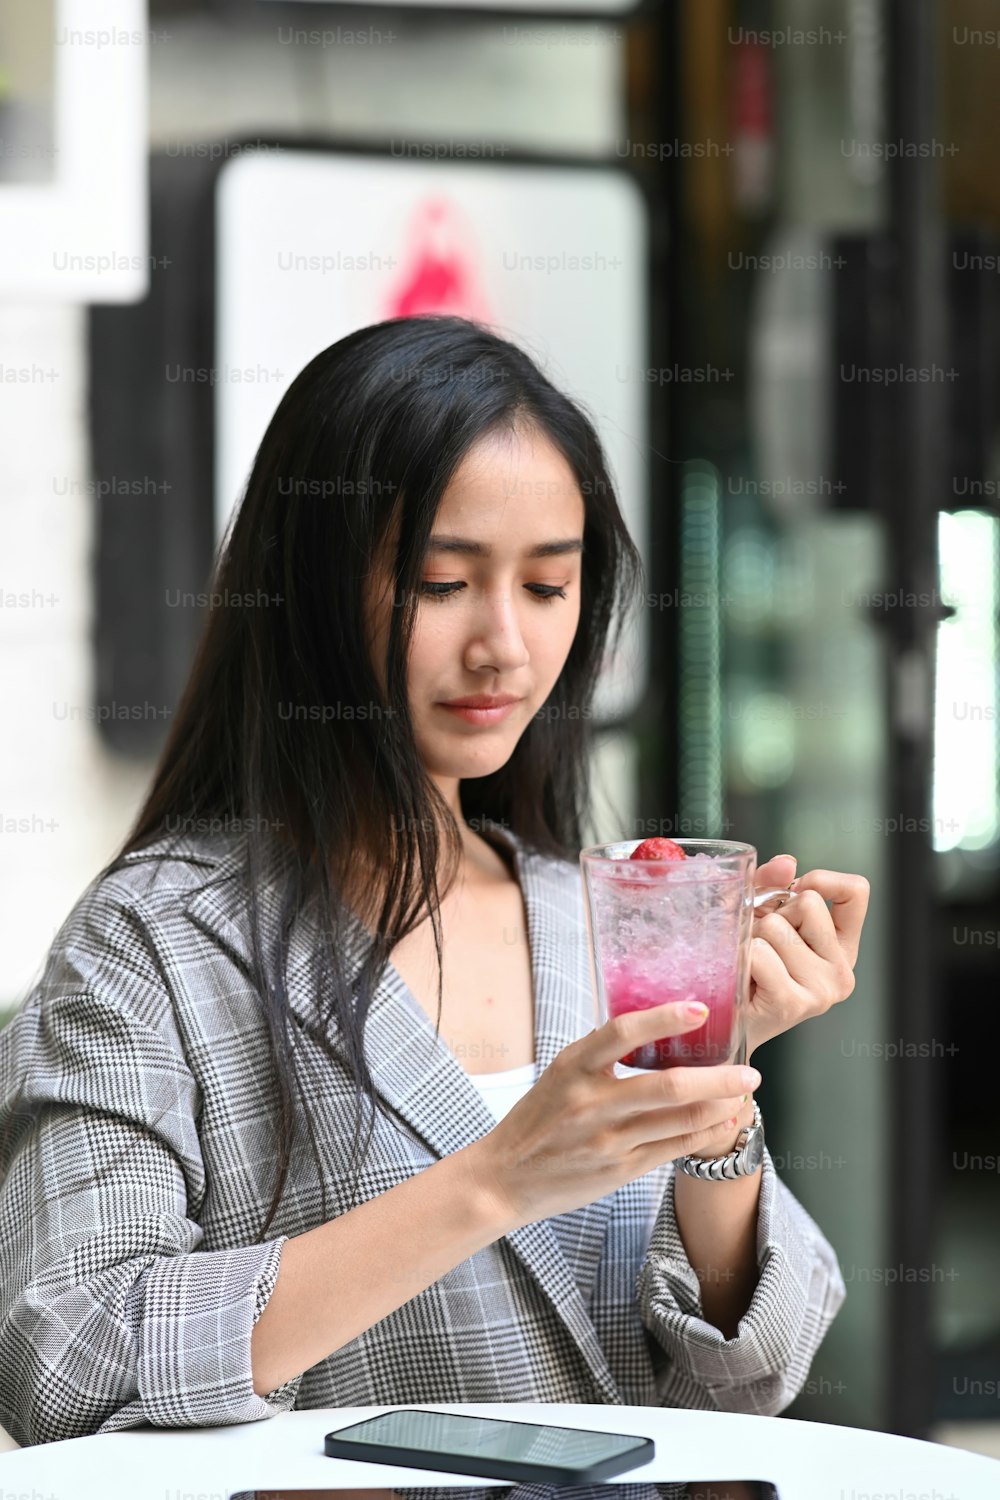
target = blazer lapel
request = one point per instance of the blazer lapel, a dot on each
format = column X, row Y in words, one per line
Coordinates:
column 417, row 1074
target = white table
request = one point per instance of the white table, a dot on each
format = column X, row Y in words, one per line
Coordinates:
column 807, row 1460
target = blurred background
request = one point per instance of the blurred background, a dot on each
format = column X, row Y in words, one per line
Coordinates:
column 760, row 241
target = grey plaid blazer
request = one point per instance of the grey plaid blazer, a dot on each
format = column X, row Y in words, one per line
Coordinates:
column 132, row 1301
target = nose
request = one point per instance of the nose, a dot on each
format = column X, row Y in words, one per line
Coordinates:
column 495, row 639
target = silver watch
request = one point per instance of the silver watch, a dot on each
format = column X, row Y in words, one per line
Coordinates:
column 742, row 1161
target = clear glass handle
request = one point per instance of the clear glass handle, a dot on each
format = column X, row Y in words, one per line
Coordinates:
column 773, row 900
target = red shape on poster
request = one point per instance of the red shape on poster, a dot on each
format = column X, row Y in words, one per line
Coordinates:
column 440, row 271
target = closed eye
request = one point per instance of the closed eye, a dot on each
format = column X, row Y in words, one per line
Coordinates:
column 544, row 592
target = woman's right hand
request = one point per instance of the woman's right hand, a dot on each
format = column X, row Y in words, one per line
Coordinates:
column 581, row 1131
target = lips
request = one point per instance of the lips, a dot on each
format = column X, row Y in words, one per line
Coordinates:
column 482, row 710
column 482, row 700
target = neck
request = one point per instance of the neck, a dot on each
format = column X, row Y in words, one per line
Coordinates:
column 477, row 857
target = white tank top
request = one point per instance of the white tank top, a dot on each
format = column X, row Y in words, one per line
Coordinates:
column 501, row 1091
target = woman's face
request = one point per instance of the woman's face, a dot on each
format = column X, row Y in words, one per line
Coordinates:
column 494, row 621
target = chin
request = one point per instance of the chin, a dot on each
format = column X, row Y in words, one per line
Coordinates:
column 473, row 760
column 467, row 767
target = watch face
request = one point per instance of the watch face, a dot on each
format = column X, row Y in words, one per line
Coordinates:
column 754, row 1151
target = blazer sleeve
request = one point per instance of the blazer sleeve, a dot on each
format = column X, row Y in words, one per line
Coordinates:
column 798, row 1293
column 111, row 1316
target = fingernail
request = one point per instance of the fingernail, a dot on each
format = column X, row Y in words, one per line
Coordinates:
column 695, row 1009
column 744, row 1098
column 793, row 857
column 751, row 1077
column 731, row 1123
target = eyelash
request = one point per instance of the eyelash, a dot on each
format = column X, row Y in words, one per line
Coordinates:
column 446, row 590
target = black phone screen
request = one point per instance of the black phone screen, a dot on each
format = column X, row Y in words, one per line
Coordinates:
column 442, row 1432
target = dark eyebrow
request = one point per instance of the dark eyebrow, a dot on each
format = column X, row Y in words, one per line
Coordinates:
column 480, row 549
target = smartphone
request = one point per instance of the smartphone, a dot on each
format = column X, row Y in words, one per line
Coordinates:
column 694, row 1489
column 489, row 1446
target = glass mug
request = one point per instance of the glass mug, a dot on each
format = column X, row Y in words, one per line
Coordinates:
column 662, row 931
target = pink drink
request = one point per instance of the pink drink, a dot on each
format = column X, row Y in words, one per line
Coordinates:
column 668, row 931
column 628, row 988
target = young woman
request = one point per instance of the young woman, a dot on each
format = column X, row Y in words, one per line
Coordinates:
column 351, row 895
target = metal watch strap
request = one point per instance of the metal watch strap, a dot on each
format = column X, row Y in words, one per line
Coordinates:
column 724, row 1168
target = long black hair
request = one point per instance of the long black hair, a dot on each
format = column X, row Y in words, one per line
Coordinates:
column 361, row 448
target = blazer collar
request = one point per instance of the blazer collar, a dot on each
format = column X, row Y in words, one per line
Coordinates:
column 416, row 1074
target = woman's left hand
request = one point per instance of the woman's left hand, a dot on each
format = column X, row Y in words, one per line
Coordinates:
column 802, row 957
